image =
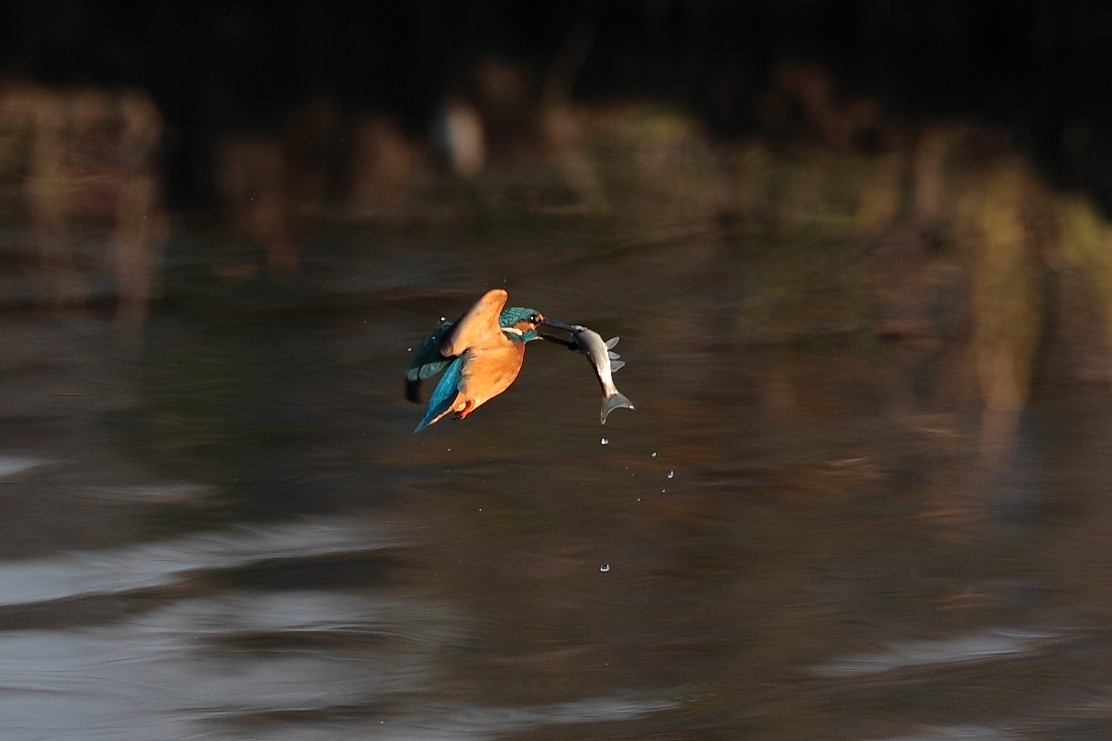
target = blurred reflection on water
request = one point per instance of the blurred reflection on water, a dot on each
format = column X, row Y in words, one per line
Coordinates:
column 226, row 530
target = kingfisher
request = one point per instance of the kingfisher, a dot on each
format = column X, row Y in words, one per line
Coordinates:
column 480, row 353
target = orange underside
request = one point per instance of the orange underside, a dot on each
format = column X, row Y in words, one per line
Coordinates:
column 489, row 370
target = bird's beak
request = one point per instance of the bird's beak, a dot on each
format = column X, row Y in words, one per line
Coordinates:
column 558, row 332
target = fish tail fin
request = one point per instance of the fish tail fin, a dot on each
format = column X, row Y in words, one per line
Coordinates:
column 616, row 365
column 614, row 401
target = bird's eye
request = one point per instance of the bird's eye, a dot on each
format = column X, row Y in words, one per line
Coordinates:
column 535, row 318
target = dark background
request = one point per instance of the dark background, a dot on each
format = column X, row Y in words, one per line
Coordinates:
column 1038, row 68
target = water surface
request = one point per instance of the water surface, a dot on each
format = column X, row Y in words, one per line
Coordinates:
column 224, row 528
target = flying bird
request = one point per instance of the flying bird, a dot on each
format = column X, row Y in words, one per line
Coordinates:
column 480, row 354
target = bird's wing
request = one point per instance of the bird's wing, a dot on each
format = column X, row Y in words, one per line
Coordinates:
column 478, row 326
column 444, row 395
column 427, row 362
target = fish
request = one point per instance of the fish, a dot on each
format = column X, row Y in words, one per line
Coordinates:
column 605, row 362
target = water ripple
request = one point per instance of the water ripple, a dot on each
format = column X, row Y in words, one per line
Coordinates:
column 161, row 675
column 106, row 572
column 11, row 465
column 987, row 644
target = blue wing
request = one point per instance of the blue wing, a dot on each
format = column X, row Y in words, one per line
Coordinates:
column 444, row 393
column 427, row 361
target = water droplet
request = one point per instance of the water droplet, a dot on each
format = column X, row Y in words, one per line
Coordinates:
column 654, row 454
column 409, row 349
column 604, row 568
column 671, row 474
column 605, row 441
column 663, row 491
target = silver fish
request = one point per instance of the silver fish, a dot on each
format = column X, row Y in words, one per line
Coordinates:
column 600, row 353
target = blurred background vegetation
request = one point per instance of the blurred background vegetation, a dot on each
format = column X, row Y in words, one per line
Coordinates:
column 932, row 170
column 833, row 72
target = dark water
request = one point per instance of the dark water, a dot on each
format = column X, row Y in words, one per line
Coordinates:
column 226, row 530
